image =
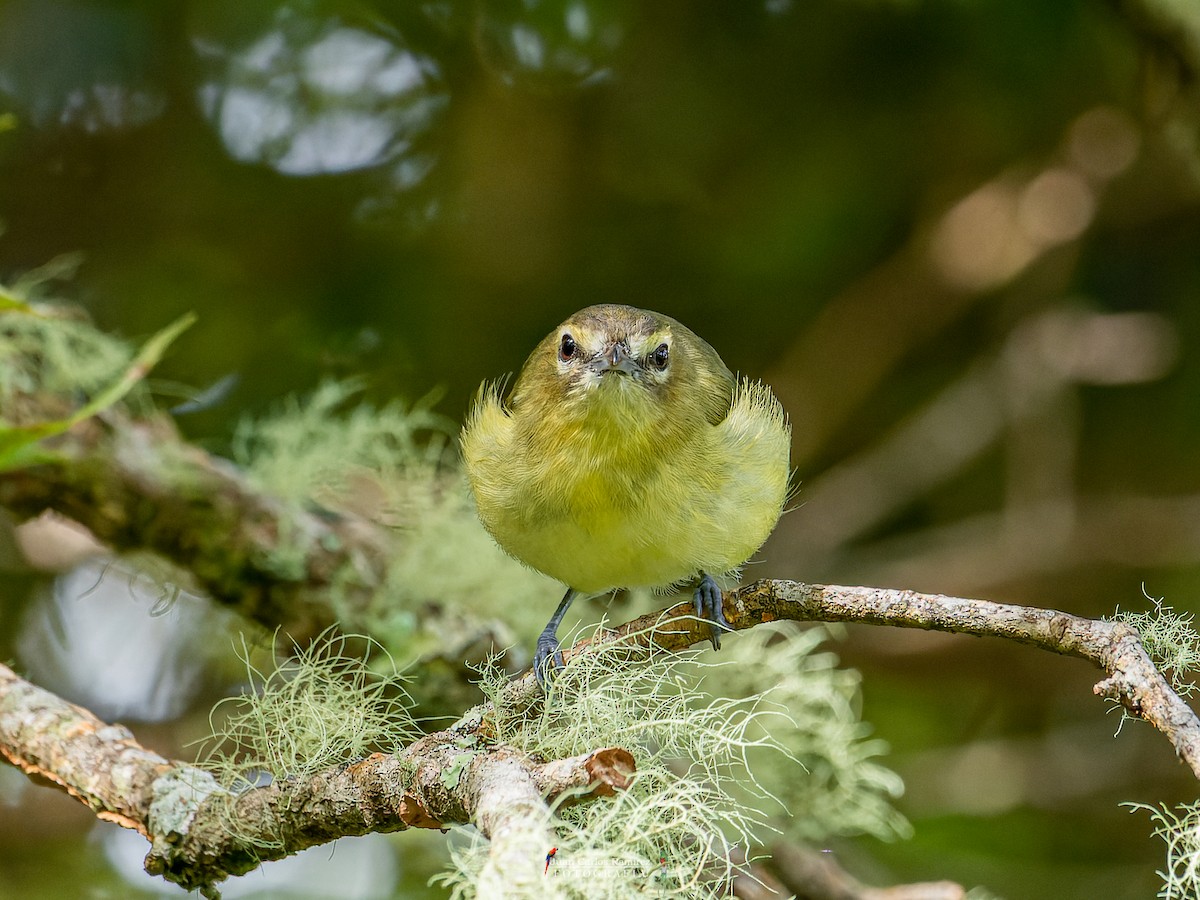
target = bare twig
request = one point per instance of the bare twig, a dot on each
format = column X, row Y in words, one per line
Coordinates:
column 818, row 876
column 805, row 874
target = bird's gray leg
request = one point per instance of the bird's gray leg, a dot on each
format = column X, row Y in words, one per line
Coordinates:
column 710, row 604
column 547, row 649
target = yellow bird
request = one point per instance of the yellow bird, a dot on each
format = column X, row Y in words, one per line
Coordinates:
column 627, row 455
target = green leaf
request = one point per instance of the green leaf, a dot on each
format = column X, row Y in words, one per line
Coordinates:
column 18, row 442
column 13, row 303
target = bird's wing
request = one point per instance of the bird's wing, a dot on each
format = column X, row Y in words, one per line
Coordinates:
column 488, row 425
column 717, row 383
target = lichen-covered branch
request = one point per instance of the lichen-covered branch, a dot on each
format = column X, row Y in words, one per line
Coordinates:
column 1131, row 677
column 136, row 485
column 200, row 833
column 99, row 764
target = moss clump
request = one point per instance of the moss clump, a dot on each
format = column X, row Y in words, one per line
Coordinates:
column 843, row 790
column 41, row 354
column 317, row 449
column 1171, row 641
column 707, row 765
column 446, row 580
column 322, row 706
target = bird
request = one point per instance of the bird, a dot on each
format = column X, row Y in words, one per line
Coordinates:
column 627, row 454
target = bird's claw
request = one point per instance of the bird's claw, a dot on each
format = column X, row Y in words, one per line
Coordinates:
column 710, row 605
column 547, row 656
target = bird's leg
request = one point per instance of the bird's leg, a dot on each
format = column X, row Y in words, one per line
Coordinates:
column 547, row 650
column 710, row 604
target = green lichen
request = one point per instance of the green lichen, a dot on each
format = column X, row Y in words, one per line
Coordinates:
column 177, row 796
column 843, row 790
column 319, row 448
column 1170, row 640
column 708, row 764
column 322, row 706
column 56, row 371
column 50, row 354
column 47, row 348
column 396, row 465
column 452, row 774
column 1180, row 830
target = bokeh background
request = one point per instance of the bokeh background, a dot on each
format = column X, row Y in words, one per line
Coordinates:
column 960, row 239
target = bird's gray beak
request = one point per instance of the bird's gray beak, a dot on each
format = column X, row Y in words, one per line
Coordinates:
column 616, row 359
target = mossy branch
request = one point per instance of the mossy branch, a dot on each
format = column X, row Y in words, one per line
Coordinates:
column 200, row 833
column 135, row 484
column 462, row 774
column 1131, row 677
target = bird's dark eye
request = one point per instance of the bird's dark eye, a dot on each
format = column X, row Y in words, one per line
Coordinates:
column 660, row 357
column 567, row 348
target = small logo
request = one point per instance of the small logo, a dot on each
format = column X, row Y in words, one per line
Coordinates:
column 549, row 859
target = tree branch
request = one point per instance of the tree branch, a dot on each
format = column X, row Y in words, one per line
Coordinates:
column 1131, row 679
column 818, row 876
column 136, row 485
column 200, row 833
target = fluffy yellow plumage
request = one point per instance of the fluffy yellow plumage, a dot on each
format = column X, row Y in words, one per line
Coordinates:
column 627, row 455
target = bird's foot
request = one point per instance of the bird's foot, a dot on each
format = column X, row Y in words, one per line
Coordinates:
column 710, row 604
column 547, row 656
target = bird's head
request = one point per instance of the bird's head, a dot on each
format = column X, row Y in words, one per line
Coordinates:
column 613, row 348
column 622, row 363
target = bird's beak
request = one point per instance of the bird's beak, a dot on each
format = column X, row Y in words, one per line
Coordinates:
column 616, row 359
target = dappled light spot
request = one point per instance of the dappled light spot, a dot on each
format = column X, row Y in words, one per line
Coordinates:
column 978, row 244
column 1106, row 348
column 1104, row 142
column 991, row 235
column 553, row 44
column 1055, row 207
column 56, row 71
column 312, row 102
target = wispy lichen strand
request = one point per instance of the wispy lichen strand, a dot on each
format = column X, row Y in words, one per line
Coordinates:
column 700, row 783
column 843, row 789
column 320, row 706
column 1180, row 830
column 1171, row 641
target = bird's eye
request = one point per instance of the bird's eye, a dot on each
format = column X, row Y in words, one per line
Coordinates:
column 660, row 357
column 567, row 348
